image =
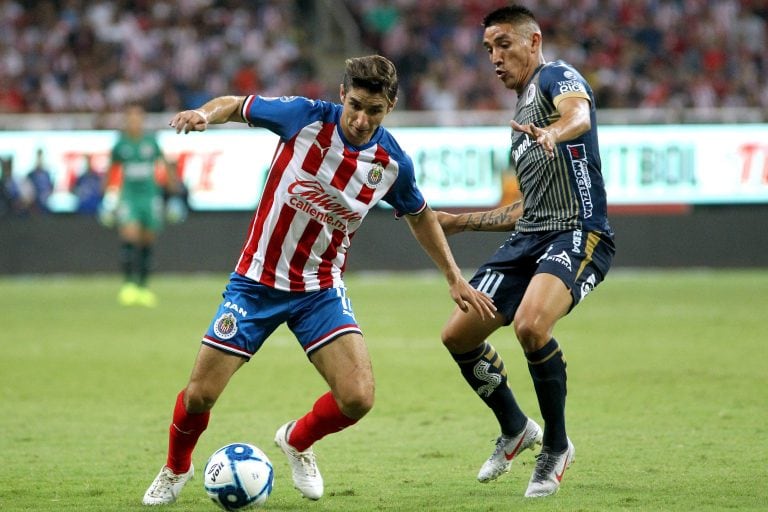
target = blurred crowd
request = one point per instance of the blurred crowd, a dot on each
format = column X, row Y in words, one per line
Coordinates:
column 635, row 53
column 93, row 56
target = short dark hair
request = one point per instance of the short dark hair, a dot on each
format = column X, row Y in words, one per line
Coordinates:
column 373, row 73
column 512, row 14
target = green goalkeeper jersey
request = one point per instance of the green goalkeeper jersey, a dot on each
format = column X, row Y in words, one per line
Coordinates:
column 138, row 158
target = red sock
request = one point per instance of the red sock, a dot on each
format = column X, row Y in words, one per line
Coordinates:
column 184, row 432
column 324, row 418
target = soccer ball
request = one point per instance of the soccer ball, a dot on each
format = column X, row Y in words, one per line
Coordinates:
column 238, row 476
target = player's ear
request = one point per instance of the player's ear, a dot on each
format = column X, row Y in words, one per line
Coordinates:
column 342, row 93
column 536, row 42
column 392, row 105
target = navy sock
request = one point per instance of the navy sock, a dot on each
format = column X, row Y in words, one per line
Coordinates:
column 547, row 367
column 484, row 371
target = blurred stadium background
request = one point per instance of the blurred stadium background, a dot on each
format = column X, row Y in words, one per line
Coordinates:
column 681, row 86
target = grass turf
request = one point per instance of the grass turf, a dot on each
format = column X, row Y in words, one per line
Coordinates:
column 667, row 398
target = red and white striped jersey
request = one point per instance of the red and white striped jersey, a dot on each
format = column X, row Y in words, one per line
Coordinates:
column 318, row 190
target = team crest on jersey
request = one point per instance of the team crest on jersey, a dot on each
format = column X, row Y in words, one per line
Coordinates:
column 375, row 175
column 530, row 93
column 225, row 326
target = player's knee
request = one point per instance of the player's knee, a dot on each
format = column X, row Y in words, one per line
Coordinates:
column 197, row 400
column 457, row 342
column 449, row 339
column 356, row 403
column 531, row 332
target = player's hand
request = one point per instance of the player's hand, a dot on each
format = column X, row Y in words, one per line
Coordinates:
column 189, row 121
column 543, row 137
column 175, row 210
column 107, row 212
column 465, row 296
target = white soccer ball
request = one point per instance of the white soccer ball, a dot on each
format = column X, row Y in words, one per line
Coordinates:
column 238, row 476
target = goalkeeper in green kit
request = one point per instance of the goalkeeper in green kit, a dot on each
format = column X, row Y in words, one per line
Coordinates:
column 142, row 172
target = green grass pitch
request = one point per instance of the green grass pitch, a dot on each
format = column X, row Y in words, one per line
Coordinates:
column 667, row 403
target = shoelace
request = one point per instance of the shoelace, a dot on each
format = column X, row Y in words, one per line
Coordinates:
column 308, row 462
column 162, row 486
column 500, row 442
column 545, row 464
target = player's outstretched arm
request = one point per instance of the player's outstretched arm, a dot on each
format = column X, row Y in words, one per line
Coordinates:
column 217, row 111
column 426, row 230
column 502, row 218
column 574, row 121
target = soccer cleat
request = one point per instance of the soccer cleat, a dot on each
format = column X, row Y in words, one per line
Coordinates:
column 128, row 295
column 146, row 298
column 549, row 471
column 166, row 486
column 306, row 475
column 507, row 448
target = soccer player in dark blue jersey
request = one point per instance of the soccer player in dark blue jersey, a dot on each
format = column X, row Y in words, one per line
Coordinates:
column 561, row 248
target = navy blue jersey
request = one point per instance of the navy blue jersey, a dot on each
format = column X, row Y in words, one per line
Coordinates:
column 567, row 192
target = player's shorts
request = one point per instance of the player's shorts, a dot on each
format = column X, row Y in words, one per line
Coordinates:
column 145, row 211
column 250, row 312
column 580, row 259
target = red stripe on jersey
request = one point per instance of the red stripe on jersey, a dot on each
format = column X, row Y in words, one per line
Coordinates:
column 346, row 169
column 282, row 157
column 319, row 149
column 344, row 263
column 300, row 257
column 275, row 246
column 326, row 266
column 381, row 156
column 246, row 253
column 366, row 194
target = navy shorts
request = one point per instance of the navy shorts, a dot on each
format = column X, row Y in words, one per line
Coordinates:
column 250, row 312
column 580, row 259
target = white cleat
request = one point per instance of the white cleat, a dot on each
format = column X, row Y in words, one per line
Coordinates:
column 549, row 471
column 166, row 486
column 306, row 476
column 507, row 448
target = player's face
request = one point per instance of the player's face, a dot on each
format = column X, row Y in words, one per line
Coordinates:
column 134, row 121
column 513, row 53
column 363, row 112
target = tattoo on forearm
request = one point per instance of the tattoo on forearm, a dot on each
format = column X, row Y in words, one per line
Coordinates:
column 484, row 220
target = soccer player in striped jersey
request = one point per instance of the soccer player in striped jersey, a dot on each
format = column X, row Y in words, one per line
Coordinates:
column 332, row 164
column 562, row 247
